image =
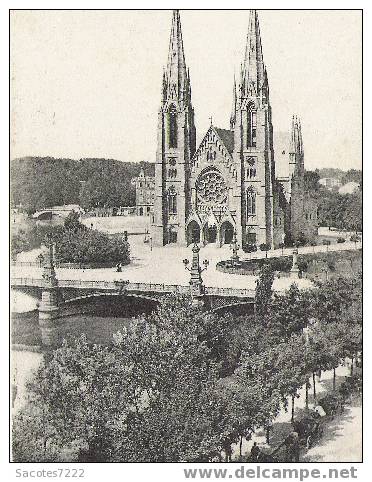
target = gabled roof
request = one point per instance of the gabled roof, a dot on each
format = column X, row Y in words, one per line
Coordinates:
column 227, row 137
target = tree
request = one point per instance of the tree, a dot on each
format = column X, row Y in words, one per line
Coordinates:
column 289, row 313
column 312, row 181
column 72, row 222
column 265, row 247
column 151, row 396
column 264, row 289
column 326, row 242
column 76, row 397
column 250, row 248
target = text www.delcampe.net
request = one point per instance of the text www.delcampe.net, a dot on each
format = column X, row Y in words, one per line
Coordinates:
column 258, row 472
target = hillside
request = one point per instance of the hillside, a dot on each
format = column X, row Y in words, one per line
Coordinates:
column 38, row 182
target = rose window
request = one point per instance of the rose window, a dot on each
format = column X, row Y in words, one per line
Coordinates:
column 211, row 188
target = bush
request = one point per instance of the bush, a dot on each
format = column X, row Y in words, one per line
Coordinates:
column 74, row 243
column 88, row 246
column 26, row 240
column 301, row 240
column 249, row 248
column 341, row 240
column 264, row 247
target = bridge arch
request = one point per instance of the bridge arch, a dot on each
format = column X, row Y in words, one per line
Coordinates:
column 110, row 304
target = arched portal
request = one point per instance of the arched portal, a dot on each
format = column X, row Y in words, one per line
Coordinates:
column 209, row 233
column 193, row 232
column 227, row 232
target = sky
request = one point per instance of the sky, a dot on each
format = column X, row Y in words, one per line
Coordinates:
column 88, row 83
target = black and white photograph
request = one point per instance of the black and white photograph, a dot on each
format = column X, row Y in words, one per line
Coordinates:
column 186, row 237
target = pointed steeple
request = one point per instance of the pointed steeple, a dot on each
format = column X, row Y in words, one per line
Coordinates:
column 176, row 78
column 253, row 75
column 296, row 150
column 233, row 108
column 296, row 146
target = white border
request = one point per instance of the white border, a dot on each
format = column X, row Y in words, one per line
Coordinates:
column 169, row 472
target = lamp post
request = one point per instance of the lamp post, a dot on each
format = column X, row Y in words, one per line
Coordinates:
column 294, row 273
column 196, row 281
column 235, row 248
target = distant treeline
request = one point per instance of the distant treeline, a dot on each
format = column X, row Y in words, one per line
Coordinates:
column 354, row 175
column 38, row 182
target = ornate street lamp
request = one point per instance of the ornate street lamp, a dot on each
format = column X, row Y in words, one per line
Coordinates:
column 294, row 273
column 235, row 248
column 196, row 281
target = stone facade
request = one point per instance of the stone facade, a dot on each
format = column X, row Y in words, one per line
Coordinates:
column 145, row 194
column 228, row 183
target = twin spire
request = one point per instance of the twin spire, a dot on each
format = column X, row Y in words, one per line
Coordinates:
column 296, row 145
column 253, row 71
column 176, row 79
column 253, row 76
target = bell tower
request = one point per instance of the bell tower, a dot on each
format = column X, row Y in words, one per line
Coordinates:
column 253, row 142
column 176, row 146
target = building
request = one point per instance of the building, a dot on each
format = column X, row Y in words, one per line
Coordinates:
column 349, row 188
column 204, row 193
column 145, row 193
column 330, row 182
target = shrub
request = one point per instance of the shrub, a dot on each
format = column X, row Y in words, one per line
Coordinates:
column 249, row 248
column 89, row 246
column 341, row 240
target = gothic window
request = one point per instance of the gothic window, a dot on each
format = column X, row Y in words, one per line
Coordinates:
column 251, row 202
column 172, row 201
column 251, row 169
column 251, row 172
column 251, row 126
column 211, row 187
column 172, row 126
column 211, row 155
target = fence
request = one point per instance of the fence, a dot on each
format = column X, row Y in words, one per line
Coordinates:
column 126, row 286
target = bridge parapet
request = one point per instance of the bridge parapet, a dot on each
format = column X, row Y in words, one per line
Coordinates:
column 125, row 286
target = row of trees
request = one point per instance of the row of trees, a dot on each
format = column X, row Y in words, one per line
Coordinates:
column 180, row 385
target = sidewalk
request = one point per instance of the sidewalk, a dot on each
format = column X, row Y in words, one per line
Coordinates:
column 342, row 437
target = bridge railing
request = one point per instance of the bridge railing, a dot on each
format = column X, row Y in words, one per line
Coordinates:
column 132, row 287
column 240, row 292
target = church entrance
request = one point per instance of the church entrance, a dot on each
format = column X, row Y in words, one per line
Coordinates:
column 193, row 233
column 227, row 232
column 209, row 233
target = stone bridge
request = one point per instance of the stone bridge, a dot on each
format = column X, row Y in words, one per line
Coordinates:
column 62, row 298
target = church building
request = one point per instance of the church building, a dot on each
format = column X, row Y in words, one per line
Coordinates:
column 204, row 193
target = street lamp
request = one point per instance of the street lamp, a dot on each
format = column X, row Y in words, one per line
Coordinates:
column 196, row 281
column 235, row 248
column 294, row 273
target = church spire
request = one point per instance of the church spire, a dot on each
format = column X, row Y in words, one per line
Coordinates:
column 296, row 151
column 253, row 71
column 176, row 78
column 233, row 108
column 296, row 146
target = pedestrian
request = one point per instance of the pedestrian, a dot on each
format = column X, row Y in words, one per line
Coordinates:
column 255, row 451
column 292, row 443
column 118, row 268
